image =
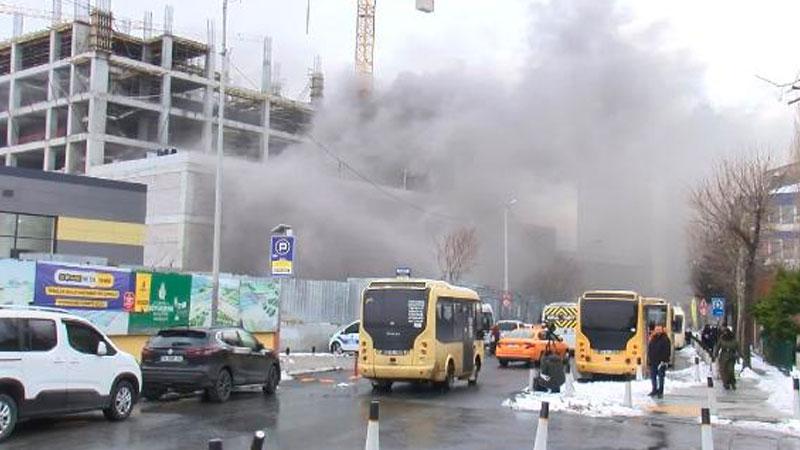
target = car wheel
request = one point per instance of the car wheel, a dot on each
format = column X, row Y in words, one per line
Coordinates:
column 221, row 391
column 503, row 362
column 123, row 397
column 8, row 416
column 336, row 348
column 273, row 378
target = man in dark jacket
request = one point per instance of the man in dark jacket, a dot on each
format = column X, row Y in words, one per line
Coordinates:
column 551, row 373
column 658, row 353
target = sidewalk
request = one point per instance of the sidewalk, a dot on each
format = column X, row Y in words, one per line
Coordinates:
column 299, row 364
column 763, row 399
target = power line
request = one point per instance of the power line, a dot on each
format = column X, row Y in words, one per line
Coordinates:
column 379, row 187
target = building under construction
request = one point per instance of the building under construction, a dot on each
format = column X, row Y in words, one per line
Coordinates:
column 89, row 97
column 88, row 92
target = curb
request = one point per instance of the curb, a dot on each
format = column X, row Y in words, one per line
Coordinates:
column 297, row 373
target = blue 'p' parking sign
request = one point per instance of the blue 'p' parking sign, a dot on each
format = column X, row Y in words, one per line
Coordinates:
column 281, row 255
column 717, row 306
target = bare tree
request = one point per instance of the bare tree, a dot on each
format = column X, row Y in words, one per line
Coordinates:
column 730, row 210
column 457, row 253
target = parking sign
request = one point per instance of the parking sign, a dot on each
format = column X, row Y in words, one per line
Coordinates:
column 717, row 306
column 282, row 255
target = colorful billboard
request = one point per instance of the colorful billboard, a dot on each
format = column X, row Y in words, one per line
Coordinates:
column 83, row 287
column 259, row 304
column 16, row 282
column 228, row 313
column 166, row 305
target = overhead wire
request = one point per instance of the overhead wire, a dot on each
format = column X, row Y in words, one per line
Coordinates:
column 378, row 186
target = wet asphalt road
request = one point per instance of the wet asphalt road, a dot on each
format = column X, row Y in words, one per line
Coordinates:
column 317, row 415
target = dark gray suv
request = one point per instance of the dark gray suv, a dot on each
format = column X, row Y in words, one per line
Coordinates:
column 212, row 359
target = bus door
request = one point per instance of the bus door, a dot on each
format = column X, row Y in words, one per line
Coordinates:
column 467, row 323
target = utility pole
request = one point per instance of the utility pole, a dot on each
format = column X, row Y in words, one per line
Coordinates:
column 506, row 209
column 220, row 159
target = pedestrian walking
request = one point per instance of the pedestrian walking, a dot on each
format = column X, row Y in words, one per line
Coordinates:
column 551, row 373
column 494, row 339
column 658, row 353
column 727, row 353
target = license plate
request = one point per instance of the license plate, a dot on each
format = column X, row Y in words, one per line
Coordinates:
column 394, row 352
column 608, row 352
column 511, row 345
column 172, row 358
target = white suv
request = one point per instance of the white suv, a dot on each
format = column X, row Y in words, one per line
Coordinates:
column 53, row 362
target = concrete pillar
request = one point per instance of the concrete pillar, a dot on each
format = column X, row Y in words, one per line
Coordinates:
column 52, row 94
column 11, row 160
column 13, row 97
column 98, row 109
column 166, row 90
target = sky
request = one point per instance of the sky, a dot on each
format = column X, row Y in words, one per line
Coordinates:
column 598, row 115
column 734, row 41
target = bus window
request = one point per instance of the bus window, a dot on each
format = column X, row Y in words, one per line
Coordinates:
column 677, row 324
column 394, row 317
column 608, row 324
column 452, row 319
column 656, row 316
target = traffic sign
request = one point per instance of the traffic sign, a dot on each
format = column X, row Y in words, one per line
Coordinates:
column 281, row 255
column 506, row 299
column 717, row 306
column 703, row 307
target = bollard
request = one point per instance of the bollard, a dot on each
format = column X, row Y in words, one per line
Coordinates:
column 215, row 444
column 373, row 442
column 706, row 438
column 532, row 374
column 541, row 431
column 287, row 351
column 796, row 389
column 355, row 365
column 628, row 400
column 639, row 373
column 712, row 407
column 697, row 368
column 258, row 440
column 569, row 388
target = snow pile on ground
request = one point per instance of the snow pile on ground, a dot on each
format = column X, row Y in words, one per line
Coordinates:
column 774, row 382
column 601, row 398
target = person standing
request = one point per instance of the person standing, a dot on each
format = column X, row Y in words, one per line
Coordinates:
column 727, row 353
column 658, row 353
column 551, row 373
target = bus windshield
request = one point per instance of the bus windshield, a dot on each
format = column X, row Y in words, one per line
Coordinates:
column 609, row 324
column 656, row 315
column 394, row 317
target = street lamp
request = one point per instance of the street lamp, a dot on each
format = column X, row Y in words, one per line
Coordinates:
column 218, row 181
column 506, row 209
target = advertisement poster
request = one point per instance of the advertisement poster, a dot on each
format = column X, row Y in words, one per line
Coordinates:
column 167, row 306
column 144, row 281
column 83, row 287
column 228, row 314
column 16, row 282
column 259, row 304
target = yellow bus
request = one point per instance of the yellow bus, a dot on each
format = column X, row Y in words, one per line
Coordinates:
column 658, row 312
column 610, row 335
column 418, row 331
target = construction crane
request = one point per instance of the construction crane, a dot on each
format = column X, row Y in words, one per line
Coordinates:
column 365, row 39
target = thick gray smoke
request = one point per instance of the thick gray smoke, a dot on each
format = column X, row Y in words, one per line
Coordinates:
column 600, row 140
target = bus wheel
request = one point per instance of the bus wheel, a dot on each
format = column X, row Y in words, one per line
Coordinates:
column 382, row 386
column 449, row 379
column 473, row 379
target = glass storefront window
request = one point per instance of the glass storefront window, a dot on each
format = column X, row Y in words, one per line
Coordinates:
column 40, row 227
column 25, row 233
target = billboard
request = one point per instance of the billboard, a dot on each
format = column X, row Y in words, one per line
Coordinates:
column 16, row 282
column 83, row 287
column 228, row 311
column 165, row 304
column 259, row 304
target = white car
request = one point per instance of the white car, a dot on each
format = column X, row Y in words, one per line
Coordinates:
column 53, row 362
column 345, row 340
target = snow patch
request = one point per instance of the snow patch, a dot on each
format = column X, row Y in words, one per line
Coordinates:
column 285, row 376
